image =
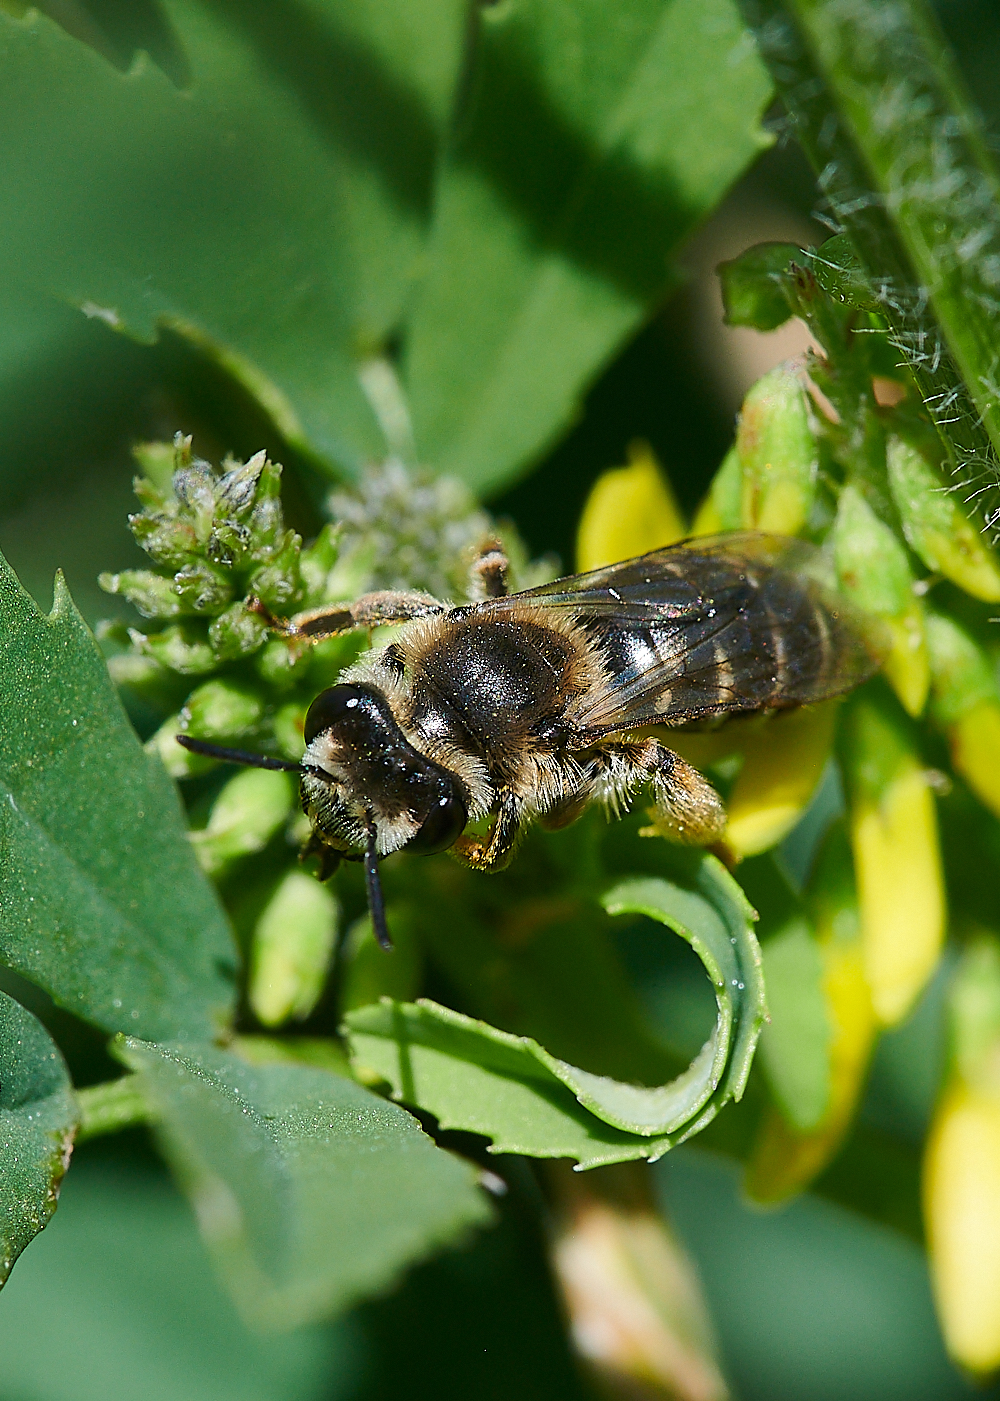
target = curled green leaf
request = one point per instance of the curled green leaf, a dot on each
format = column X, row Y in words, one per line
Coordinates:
column 511, row 1089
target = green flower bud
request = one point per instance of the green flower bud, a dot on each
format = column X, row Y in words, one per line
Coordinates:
column 236, row 632
column 935, row 525
column 369, row 975
column 221, row 710
column 237, row 489
column 288, row 723
column 277, row 583
column 281, row 665
column 152, row 594
column 965, row 702
column 141, row 674
column 267, row 528
column 244, row 817
column 181, row 648
column 229, row 544
column 157, row 462
column 961, row 673
column 202, row 587
column 293, row 944
column 722, row 507
column 875, row 575
column 194, row 487
column 316, row 562
column 178, row 761
column 170, row 543
column 778, row 453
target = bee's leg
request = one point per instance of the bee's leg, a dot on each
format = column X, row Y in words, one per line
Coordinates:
column 688, row 809
column 495, row 853
column 488, row 574
column 329, row 858
column 566, row 811
column 369, row 611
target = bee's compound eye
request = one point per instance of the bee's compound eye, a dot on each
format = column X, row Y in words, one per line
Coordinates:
column 332, row 705
column 441, row 828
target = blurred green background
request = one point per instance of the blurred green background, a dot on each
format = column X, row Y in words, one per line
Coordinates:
column 116, row 1298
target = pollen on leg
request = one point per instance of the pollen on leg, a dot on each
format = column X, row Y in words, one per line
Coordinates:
column 688, row 809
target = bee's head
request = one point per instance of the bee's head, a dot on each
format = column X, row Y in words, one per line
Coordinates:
column 361, row 774
column 364, row 786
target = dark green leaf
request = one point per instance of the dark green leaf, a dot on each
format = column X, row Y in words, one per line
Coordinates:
column 274, row 211
column 595, row 142
column 311, row 1190
column 841, row 275
column 103, row 904
column 511, row 1089
column 37, row 1122
column 753, row 286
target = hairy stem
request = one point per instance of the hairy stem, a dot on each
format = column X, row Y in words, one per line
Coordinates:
column 874, row 98
column 113, row 1105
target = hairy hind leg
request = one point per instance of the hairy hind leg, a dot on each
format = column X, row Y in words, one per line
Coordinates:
column 495, row 852
column 688, row 808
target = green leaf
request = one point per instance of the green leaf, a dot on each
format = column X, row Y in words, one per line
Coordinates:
column 753, row 286
column 274, row 211
column 37, row 1123
column 594, row 143
column 705, row 906
column 511, row 1089
column 312, row 1191
column 795, row 1047
column 103, row 904
column 472, row 1076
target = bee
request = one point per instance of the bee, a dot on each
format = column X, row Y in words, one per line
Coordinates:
column 530, row 706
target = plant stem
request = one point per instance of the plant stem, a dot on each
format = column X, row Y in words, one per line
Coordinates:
column 874, row 98
column 113, row 1105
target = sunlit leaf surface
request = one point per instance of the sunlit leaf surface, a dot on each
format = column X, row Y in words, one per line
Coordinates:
column 103, row 904
column 311, row 1190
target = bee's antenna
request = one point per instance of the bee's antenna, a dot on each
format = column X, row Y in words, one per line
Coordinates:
column 236, row 756
column 376, row 903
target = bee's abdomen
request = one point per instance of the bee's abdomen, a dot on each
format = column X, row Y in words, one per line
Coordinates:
column 769, row 640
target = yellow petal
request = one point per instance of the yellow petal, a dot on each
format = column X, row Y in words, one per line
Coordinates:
column 784, row 763
column 783, row 1161
column 975, row 751
column 907, row 666
column 629, row 511
column 900, row 891
column 962, row 1212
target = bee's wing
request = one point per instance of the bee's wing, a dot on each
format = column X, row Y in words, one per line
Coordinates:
column 730, row 623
